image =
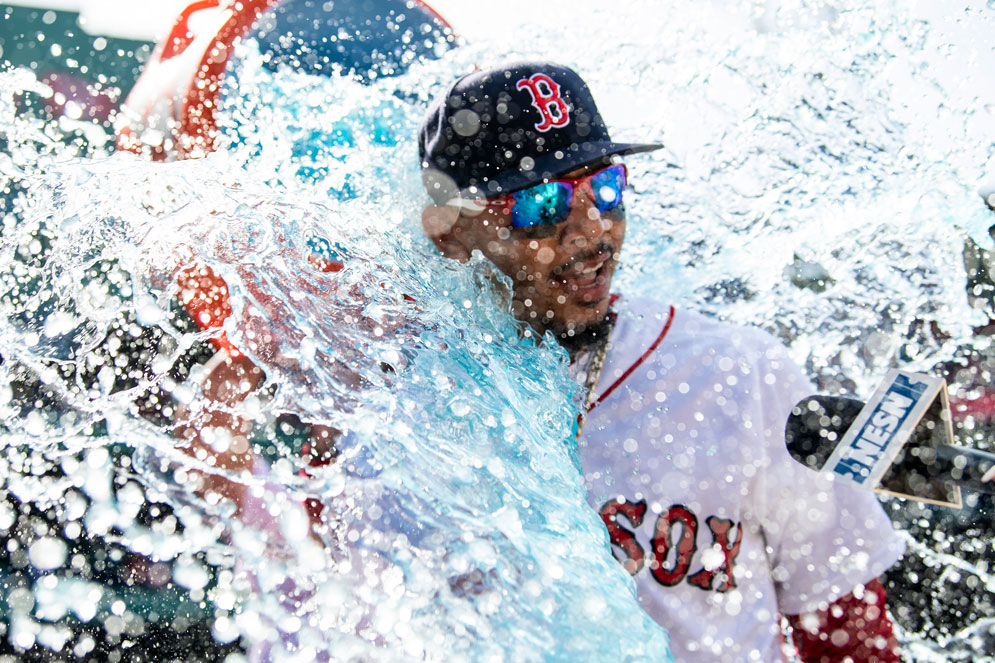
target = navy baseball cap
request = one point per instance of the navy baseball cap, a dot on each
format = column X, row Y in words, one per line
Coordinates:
column 499, row 130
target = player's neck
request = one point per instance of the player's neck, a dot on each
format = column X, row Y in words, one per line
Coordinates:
column 593, row 336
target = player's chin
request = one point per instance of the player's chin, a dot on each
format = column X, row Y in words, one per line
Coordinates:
column 579, row 327
column 579, row 314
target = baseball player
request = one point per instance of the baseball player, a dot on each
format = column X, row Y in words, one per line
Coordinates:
column 682, row 433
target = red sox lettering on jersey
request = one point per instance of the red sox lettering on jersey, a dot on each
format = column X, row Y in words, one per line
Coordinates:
column 547, row 100
column 674, row 544
column 724, row 543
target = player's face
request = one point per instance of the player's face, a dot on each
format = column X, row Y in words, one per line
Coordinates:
column 561, row 272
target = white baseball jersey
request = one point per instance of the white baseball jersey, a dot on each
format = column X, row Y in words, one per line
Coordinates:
column 685, row 459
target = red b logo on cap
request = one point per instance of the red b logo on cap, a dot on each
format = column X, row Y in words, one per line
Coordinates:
column 546, row 98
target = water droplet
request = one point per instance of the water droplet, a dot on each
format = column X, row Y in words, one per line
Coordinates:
column 47, row 553
column 190, row 574
column 58, row 323
column 34, row 424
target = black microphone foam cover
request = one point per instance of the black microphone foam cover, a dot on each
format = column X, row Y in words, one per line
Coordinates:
column 816, row 426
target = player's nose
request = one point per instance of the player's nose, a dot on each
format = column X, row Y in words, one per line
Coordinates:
column 586, row 222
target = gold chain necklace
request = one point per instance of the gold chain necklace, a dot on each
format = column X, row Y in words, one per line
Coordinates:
column 593, row 375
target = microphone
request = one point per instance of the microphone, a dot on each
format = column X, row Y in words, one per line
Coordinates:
column 898, row 443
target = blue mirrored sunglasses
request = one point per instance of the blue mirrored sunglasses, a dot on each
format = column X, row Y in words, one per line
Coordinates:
column 550, row 202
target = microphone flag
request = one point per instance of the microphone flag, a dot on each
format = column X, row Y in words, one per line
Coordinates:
column 891, row 447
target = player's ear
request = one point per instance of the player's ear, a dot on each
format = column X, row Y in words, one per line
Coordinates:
column 439, row 223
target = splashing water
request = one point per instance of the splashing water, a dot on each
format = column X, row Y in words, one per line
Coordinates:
column 819, row 181
column 456, row 522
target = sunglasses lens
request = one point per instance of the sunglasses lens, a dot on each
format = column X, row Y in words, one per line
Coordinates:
column 607, row 186
column 541, row 204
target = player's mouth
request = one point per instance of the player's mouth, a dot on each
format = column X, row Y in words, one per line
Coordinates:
column 588, row 276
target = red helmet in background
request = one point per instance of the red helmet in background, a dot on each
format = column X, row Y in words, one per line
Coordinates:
column 169, row 114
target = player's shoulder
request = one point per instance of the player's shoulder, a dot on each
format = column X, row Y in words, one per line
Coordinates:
column 642, row 321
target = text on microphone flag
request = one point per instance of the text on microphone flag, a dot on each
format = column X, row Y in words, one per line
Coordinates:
column 859, row 457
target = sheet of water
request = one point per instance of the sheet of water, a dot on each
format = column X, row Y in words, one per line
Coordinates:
column 819, row 180
column 457, row 526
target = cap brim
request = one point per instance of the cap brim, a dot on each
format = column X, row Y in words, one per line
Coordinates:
column 560, row 163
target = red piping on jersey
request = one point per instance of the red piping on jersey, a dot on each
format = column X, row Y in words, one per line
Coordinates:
column 638, row 362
